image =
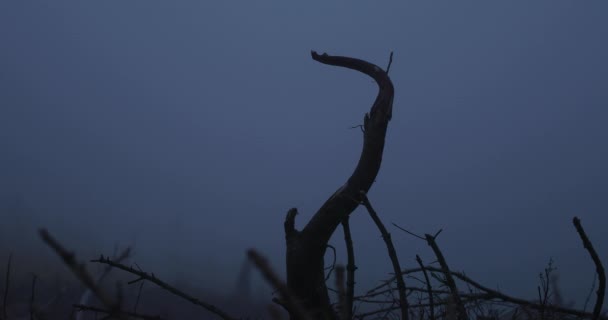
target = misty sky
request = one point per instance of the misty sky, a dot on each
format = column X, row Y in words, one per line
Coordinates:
column 189, row 128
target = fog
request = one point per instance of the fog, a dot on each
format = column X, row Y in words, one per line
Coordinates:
column 188, row 129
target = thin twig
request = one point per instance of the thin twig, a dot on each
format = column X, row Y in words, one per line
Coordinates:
column 350, row 268
column 542, row 304
column 428, row 287
column 390, row 61
column 496, row 294
column 470, row 298
column 409, row 232
column 152, row 278
column 392, row 254
column 86, row 295
column 333, row 264
column 590, row 292
column 518, row 301
column 462, row 313
column 360, row 127
column 601, row 290
column 545, row 288
column 141, row 285
column 387, row 282
column 6, row 283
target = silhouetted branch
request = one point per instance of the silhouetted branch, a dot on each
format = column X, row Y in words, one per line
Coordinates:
column 544, row 288
column 369, row 298
column 86, row 295
column 150, row 277
column 462, row 313
column 590, row 292
column 350, row 268
column 387, row 282
column 493, row 294
column 392, row 254
column 468, row 298
column 141, row 285
column 384, row 100
column 601, row 290
column 518, row 301
column 428, row 287
column 306, row 248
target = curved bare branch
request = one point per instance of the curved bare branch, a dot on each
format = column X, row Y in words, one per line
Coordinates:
column 306, row 249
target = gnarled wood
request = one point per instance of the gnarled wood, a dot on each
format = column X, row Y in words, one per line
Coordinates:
column 306, row 248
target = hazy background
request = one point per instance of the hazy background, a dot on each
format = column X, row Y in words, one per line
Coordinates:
column 189, row 128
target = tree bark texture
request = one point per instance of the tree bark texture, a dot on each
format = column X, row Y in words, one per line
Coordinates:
column 306, row 248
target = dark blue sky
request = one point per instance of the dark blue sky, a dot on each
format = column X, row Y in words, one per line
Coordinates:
column 189, row 128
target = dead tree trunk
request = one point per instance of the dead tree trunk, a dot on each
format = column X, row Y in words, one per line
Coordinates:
column 306, row 248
